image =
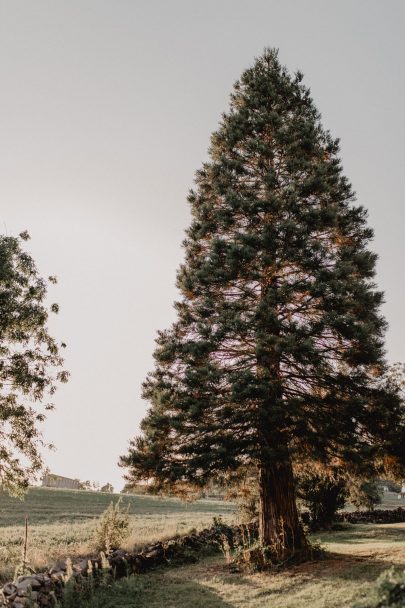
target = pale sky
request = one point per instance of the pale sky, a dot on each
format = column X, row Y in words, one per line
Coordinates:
column 106, row 110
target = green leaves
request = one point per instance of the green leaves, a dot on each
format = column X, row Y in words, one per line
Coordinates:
column 30, row 364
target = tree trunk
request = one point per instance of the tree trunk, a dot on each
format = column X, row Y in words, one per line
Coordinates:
column 279, row 526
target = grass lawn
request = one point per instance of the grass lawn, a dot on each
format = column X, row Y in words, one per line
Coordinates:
column 344, row 579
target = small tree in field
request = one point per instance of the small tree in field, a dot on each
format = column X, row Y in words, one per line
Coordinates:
column 278, row 343
column 112, row 528
column 30, row 364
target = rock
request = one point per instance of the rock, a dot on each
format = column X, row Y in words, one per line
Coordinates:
column 60, row 565
column 9, row 590
column 152, row 554
column 45, row 600
column 44, row 580
column 20, row 602
column 378, row 516
column 120, row 566
column 137, row 563
column 23, row 583
column 118, row 553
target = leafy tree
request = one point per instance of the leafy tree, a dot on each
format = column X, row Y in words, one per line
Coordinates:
column 30, row 364
column 278, row 344
column 365, row 494
column 323, row 494
column 325, row 491
column 108, row 487
column 392, row 395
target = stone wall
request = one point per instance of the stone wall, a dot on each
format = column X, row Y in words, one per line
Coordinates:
column 378, row 516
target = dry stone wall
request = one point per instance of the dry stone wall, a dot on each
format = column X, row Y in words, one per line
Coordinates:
column 378, row 516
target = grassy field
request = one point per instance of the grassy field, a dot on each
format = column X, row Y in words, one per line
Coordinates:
column 344, row 579
column 62, row 522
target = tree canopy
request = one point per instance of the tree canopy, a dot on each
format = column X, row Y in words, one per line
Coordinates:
column 30, row 364
column 278, row 347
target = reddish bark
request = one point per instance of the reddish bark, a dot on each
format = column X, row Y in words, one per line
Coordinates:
column 279, row 524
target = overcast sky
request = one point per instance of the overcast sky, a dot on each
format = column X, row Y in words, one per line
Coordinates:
column 106, row 110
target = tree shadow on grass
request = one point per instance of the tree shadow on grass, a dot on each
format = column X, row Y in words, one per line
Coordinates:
column 204, row 585
column 179, row 593
column 151, row 591
column 361, row 569
column 364, row 533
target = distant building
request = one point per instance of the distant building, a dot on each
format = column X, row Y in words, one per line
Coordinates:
column 402, row 493
column 50, row 480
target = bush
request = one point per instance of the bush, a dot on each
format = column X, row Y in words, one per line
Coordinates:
column 391, row 589
column 112, row 529
column 323, row 495
column 365, row 494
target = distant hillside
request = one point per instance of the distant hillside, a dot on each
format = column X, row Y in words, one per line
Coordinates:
column 51, row 505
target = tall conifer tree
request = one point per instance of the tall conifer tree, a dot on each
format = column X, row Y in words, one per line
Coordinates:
column 278, row 338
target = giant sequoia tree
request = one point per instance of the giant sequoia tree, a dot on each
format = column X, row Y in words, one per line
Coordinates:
column 278, row 338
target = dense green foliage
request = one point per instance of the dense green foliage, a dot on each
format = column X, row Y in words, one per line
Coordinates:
column 365, row 494
column 30, row 364
column 323, row 495
column 391, row 589
column 325, row 492
column 277, row 348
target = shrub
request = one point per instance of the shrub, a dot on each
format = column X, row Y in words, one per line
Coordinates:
column 365, row 494
column 112, row 529
column 323, row 494
column 391, row 589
